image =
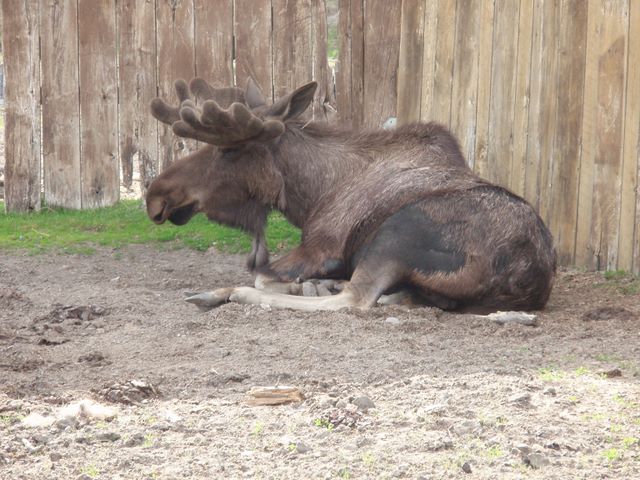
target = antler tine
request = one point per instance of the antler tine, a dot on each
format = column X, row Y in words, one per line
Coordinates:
column 164, row 112
column 224, row 127
column 224, row 97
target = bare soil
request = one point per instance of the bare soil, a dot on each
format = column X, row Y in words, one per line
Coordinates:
column 453, row 395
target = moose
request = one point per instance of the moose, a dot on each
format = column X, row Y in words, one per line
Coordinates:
column 391, row 213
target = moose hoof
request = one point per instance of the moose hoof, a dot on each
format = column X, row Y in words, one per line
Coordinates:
column 207, row 300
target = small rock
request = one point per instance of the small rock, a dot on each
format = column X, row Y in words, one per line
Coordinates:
column 40, row 439
column 30, row 447
column 135, row 440
column 302, row 448
column 392, row 321
column 550, row 391
column 162, row 426
column 84, row 476
column 309, row 289
column 322, row 290
column 400, row 471
column 108, row 437
column 433, row 409
column 612, row 373
column 342, row 403
column 466, row 467
column 536, row 460
column 522, row 448
column 67, row 423
column 468, row 427
column 363, row 403
column 55, row 456
column 520, row 398
column 325, row 401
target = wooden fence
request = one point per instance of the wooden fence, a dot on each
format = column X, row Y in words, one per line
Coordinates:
column 544, row 96
column 81, row 74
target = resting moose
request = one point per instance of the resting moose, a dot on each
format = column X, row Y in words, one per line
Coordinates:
column 388, row 211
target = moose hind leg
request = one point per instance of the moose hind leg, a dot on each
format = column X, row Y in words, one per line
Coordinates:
column 410, row 250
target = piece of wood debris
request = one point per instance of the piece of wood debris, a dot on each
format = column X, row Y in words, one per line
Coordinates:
column 274, row 395
column 523, row 318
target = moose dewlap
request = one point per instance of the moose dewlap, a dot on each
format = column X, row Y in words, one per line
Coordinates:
column 388, row 212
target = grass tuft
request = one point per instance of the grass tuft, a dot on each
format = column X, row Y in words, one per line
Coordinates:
column 81, row 231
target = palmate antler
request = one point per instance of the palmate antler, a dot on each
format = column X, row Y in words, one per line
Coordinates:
column 202, row 91
column 229, row 117
column 210, row 121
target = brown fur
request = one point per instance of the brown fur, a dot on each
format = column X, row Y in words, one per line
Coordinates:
column 349, row 193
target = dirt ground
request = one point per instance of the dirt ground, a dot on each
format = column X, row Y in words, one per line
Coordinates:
column 389, row 393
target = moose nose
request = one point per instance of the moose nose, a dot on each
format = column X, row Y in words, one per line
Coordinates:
column 158, row 217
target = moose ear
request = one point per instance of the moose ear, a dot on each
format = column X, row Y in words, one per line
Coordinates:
column 292, row 105
column 253, row 95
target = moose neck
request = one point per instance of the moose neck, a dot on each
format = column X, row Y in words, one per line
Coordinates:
column 313, row 161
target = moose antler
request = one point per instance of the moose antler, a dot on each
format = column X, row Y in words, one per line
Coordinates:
column 202, row 91
column 164, row 112
column 221, row 119
column 224, row 127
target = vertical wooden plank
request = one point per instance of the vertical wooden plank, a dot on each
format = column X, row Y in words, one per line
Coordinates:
column 543, row 106
column 20, row 35
column 60, row 103
column 176, row 59
column 410, row 62
column 343, row 66
column 610, row 118
column 522, row 97
column 292, row 45
column 214, row 41
column 443, row 73
column 252, row 26
column 572, row 39
column 98, row 103
column 350, row 74
column 480, row 164
column 428, row 61
column 324, row 101
column 600, row 241
column 381, row 41
column 137, row 83
column 503, row 83
column 464, row 92
column 584, row 248
column 628, row 249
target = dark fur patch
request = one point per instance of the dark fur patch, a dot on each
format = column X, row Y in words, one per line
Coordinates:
column 414, row 240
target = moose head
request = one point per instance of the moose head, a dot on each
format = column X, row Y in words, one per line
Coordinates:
column 232, row 179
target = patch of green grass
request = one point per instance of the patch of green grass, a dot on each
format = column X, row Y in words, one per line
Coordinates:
column 81, row 231
column 322, row 423
column 369, row 459
column 11, row 418
column 611, row 454
column 344, row 473
column 149, row 440
column 258, row 429
column 582, row 371
column 494, row 452
column 624, row 282
column 551, row 374
column 91, row 471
